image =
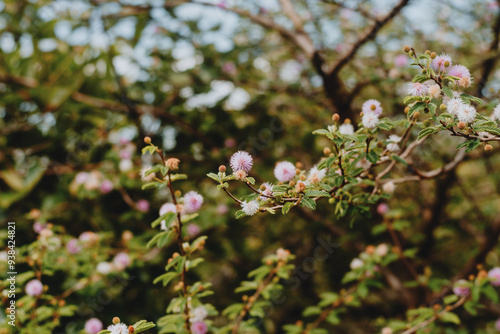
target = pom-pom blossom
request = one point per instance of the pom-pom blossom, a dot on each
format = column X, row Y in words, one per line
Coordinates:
column 393, row 143
column 434, row 91
column 167, row 207
column 497, row 325
column 250, row 208
column 389, row 187
column 34, row 288
column 467, row 113
column 93, row 326
column 284, row 171
column 147, row 178
column 346, row 129
column 372, row 106
column 142, row 205
column 370, row 120
column 316, row 175
column 438, row 63
column 494, row 275
column 121, row 261
column 241, row 160
column 454, row 105
column 192, row 202
column 104, row 268
column 199, row 327
column 462, row 73
column 106, row 186
column 73, row 247
column 118, row 329
column 417, row 89
column 496, row 113
column 198, row 314
column 363, row 163
column 356, row 264
column 461, row 289
column 267, row 191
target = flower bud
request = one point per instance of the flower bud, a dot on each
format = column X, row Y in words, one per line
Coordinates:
column 335, row 117
column 172, row 163
column 131, row 329
column 147, row 140
column 327, row 151
column 299, row 165
column 347, row 121
column 222, row 168
column 116, row 320
column 300, row 187
column 442, row 107
column 407, row 109
column 407, row 49
column 177, row 193
column 370, row 249
column 461, row 125
column 433, row 55
column 416, row 114
column 447, row 64
column 291, row 184
column 240, row 174
column 424, row 71
column 427, row 123
column 302, row 178
column 297, row 171
column 488, row 147
column 427, row 52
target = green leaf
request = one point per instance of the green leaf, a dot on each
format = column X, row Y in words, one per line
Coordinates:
column 450, row 299
column 286, row 207
column 372, row 157
column 416, row 107
column 469, row 145
column 490, row 129
column 448, row 91
column 165, row 278
column 399, row 159
column 308, row 203
column 472, row 98
column 311, row 310
column 317, row 193
column 450, row 317
column 168, row 217
column 427, row 131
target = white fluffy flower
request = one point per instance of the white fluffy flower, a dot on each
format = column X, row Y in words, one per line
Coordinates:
column 393, row 143
column 467, row 113
column 363, row 163
column 268, row 191
column 118, row 329
column 198, row 314
column 356, row 263
column 147, row 178
column 284, row 171
column 370, row 120
column 316, row 175
column 167, row 207
column 434, row 91
column 250, row 208
column 125, row 165
column 417, row 89
column 346, row 129
column 454, row 105
column 389, row 187
column 104, row 268
column 496, row 113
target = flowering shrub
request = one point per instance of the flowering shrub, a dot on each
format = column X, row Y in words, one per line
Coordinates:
column 94, row 258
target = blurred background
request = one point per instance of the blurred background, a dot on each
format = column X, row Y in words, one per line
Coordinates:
column 83, row 81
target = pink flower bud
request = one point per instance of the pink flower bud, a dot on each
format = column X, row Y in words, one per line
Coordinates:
column 34, row 288
column 93, row 326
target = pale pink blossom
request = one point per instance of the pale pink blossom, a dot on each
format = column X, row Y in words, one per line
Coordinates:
column 438, row 63
column 93, row 326
column 199, row 327
column 167, row 207
column 192, row 202
column 417, row 89
column 241, row 160
column 460, row 288
column 250, row 208
column 284, row 171
column 106, row 186
column 494, row 275
column 34, row 288
column 142, row 205
column 121, row 261
column 73, row 246
column 372, row 106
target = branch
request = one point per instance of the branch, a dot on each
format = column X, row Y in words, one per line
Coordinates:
column 368, row 35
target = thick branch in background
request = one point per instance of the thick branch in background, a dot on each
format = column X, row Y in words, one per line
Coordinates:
column 490, row 62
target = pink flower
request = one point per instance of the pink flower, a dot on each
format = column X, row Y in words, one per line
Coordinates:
column 193, row 229
column 417, row 89
column 461, row 289
column 167, row 207
column 268, row 191
column 459, row 71
column 199, row 327
column 106, row 186
column 73, row 247
column 382, row 208
column 241, row 160
column 93, row 326
column 142, row 205
column 38, row 226
column 222, row 4
column 284, row 171
column 192, row 202
column 125, row 155
column 222, row 209
column 372, row 106
column 34, row 288
column 497, row 325
column 81, row 177
column 229, row 67
column 121, row 261
column 438, row 62
column 88, row 236
column 494, row 275
column 400, row 61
